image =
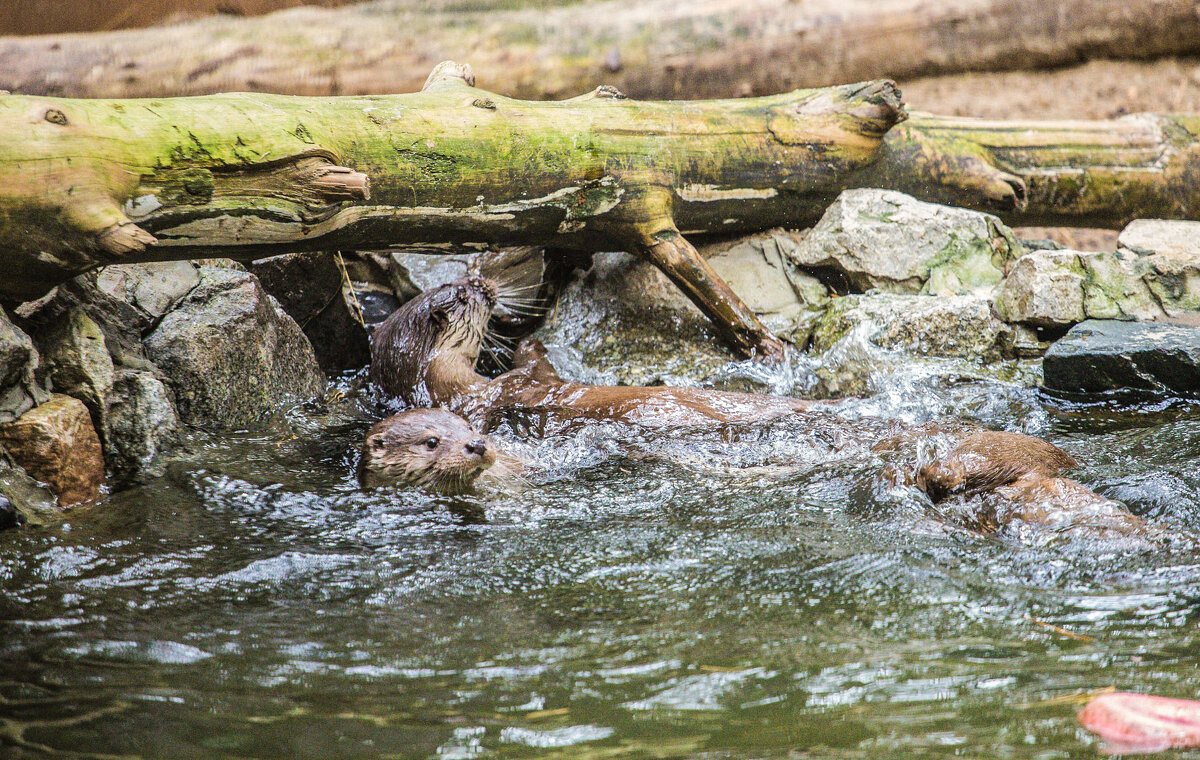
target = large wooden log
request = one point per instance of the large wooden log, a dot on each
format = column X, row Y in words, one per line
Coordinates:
column 85, row 183
column 648, row 48
column 90, row 182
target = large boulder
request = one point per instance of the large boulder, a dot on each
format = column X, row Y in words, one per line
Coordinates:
column 1062, row 288
column 309, row 288
column 20, row 387
column 231, row 353
column 1114, row 358
column 623, row 322
column 151, row 288
column 890, row 242
column 57, row 444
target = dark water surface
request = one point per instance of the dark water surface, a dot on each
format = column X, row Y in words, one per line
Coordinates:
column 649, row 598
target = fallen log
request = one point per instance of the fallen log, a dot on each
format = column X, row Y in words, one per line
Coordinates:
column 84, row 183
column 648, row 48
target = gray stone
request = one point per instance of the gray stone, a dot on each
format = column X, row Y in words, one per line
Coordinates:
column 141, row 424
column 309, row 287
column 948, row 326
column 1147, row 236
column 151, row 288
column 231, row 354
column 887, row 241
column 1113, row 357
column 78, row 362
column 1061, row 288
column 20, row 387
column 31, row 501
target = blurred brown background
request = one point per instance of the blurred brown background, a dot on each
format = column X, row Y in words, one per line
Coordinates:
column 51, row 16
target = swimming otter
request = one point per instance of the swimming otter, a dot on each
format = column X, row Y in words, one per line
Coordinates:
column 431, row 448
column 425, row 354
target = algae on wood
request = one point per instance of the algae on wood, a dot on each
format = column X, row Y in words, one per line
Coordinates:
column 85, row 183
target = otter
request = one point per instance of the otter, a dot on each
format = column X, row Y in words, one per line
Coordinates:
column 432, row 448
column 425, row 354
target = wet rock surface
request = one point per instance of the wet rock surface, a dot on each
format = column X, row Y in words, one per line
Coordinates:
column 20, row 388
column 1111, row 358
column 56, row 444
column 888, row 241
column 78, row 362
column 141, row 423
column 623, row 322
column 231, row 354
column 309, row 288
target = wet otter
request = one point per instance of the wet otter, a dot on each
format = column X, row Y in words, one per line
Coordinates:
column 426, row 352
column 431, row 448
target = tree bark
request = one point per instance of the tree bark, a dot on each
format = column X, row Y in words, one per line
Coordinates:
column 85, row 183
column 648, row 48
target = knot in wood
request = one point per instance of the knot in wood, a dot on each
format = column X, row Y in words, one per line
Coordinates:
column 55, row 116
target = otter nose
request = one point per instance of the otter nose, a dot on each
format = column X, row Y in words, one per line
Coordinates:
column 477, row 447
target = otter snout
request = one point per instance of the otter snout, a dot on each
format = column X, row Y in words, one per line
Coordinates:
column 485, row 287
column 477, row 447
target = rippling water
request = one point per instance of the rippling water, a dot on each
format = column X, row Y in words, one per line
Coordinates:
column 748, row 596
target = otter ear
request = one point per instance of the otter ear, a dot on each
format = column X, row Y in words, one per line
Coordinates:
column 376, row 444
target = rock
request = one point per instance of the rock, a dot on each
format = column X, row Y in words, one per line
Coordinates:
column 309, row 288
column 948, row 326
column 861, row 339
column 1149, row 236
column 78, row 362
column 20, row 388
column 151, row 288
column 30, row 501
column 1119, row 358
column 122, row 323
column 623, row 322
column 887, row 241
column 413, row 273
column 56, row 444
column 141, row 424
column 230, row 352
column 1061, row 288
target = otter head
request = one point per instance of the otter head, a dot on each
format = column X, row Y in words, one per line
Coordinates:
column 431, row 448
column 425, row 353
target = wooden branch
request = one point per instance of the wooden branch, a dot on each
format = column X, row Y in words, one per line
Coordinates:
column 648, row 48
column 88, row 182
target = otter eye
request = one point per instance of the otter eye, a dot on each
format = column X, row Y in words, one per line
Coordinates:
column 431, row 443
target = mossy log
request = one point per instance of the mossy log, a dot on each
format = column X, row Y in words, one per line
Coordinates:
column 85, row 183
column 544, row 49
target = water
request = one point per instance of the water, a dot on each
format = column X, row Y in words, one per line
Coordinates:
column 750, row 596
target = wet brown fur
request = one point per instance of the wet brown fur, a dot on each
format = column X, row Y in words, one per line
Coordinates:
column 431, row 448
column 426, row 352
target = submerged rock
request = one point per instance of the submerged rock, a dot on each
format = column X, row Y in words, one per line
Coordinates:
column 20, row 388
column 309, row 288
column 57, row 444
column 1111, row 357
column 887, row 241
column 230, row 352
